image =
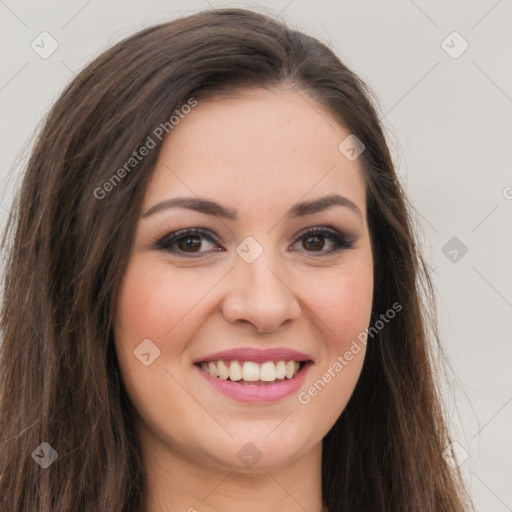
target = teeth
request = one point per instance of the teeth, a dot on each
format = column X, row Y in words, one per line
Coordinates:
column 212, row 369
column 268, row 372
column 250, row 371
column 290, row 368
column 223, row 370
column 280, row 370
column 235, row 371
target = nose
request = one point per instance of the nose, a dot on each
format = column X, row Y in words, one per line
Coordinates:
column 260, row 294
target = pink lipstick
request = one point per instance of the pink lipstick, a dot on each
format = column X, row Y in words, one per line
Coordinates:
column 255, row 375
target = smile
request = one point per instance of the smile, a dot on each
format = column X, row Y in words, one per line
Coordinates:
column 252, row 372
column 254, row 375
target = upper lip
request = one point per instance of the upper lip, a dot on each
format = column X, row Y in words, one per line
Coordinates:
column 256, row 355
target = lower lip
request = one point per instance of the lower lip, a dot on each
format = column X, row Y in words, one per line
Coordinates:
column 257, row 393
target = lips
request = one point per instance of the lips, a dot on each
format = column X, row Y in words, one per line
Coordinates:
column 256, row 355
column 249, row 374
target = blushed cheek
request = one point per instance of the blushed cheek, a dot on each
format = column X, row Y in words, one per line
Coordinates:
column 343, row 306
column 160, row 304
column 147, row 308
column 147, row 299
column 342, row 303
column 355, row 303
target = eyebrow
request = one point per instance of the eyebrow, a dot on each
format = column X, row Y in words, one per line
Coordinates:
column 211, row 207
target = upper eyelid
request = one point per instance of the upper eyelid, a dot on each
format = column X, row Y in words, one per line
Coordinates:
column 206, row 232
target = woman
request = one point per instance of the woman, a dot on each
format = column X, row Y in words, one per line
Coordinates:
column 213, row 298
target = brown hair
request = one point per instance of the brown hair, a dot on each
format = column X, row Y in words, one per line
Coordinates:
column 60, row 376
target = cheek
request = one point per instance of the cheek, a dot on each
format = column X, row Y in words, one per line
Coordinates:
column 152, row 301
column 142, row 313
column 342, row 301
column 354, row 305
column 342, row 304
column 155, row 304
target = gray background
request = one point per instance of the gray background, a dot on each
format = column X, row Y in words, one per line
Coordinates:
column 449, row 127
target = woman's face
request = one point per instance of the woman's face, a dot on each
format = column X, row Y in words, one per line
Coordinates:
column 254, row 288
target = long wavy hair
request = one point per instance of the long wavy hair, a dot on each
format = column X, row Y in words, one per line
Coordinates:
column 67, row 247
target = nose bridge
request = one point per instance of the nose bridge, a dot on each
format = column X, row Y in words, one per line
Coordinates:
column 262, row 277
column 259, row 292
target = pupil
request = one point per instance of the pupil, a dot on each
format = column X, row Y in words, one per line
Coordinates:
column 318, row 240
column 184, row 243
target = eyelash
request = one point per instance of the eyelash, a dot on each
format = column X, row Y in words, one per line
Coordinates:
column 341, row 241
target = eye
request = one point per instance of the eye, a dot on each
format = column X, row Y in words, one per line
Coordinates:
column 188, row 242
column 314, row 239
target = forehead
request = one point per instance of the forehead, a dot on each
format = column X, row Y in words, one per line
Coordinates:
column 258, row 149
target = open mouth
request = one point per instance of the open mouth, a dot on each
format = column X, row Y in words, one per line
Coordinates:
column 252, row 373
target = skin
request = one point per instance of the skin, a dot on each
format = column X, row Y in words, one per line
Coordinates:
column 259, row 152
